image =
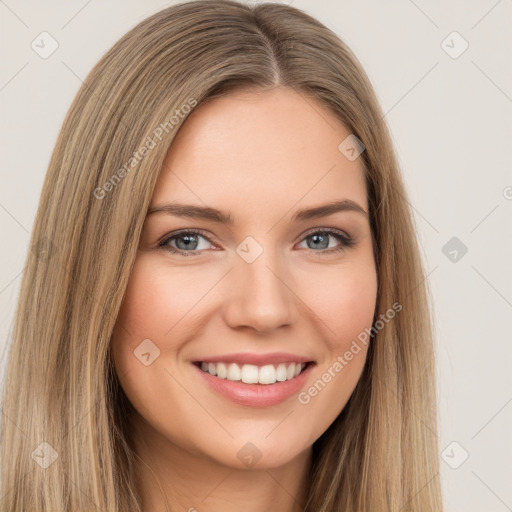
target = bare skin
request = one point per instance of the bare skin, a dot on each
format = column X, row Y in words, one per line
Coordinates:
column 261, row 156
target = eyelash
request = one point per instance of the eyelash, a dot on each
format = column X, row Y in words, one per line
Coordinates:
column 346, row 241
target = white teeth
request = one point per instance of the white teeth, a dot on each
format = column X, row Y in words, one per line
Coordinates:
column 281, row 372
column 221, row 371
column 234, row 372
column 267, row 374
column 252, row 374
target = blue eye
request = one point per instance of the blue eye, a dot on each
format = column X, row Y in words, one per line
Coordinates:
column 187, row 242
column 320, row 238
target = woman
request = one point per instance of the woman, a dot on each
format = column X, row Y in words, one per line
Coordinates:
column 180, row 342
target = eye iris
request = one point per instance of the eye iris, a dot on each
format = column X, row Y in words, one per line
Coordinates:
column 321, row 237
column 189, row 239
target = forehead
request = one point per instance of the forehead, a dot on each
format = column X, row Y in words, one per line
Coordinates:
column 256, row 150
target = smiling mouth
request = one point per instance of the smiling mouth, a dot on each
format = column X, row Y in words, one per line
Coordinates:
column 253, row 374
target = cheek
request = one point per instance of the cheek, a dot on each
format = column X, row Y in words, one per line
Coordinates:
column 156, row 307
column 157, row 302
column 161, row 304
column 356, row 306
column 344, row 299
column 346, row 307
column 149, row 310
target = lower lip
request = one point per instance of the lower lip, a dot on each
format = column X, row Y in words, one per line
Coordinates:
column 256, row 395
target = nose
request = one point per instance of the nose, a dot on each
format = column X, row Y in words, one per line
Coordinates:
column 260, row 295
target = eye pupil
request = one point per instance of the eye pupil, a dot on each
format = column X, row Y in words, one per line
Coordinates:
column 319, row 238
column 187, row 239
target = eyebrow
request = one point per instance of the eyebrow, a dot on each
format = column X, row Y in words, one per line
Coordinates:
column 214, row 215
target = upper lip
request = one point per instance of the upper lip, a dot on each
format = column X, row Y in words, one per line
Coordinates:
column 242, row 358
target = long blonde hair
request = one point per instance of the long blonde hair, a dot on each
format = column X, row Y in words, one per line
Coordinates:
column 380, row 454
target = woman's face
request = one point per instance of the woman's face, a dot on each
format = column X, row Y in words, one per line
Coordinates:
column 272, row 288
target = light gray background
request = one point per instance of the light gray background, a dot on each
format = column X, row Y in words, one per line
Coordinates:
column 451, row 124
